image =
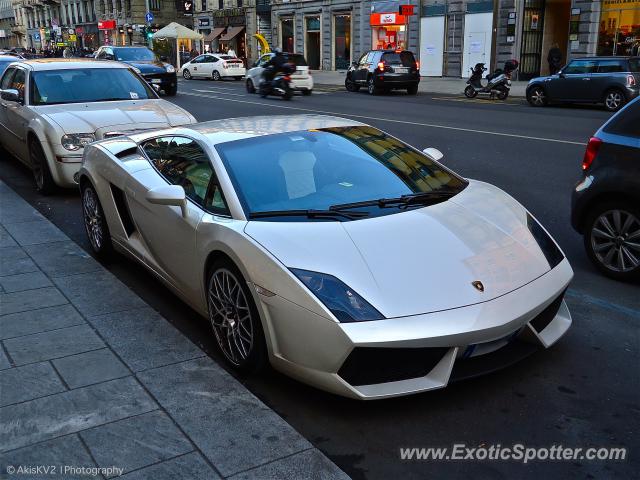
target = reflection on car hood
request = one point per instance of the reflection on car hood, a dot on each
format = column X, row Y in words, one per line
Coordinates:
column 422, row 260
column 89, row 117
column 147, row 67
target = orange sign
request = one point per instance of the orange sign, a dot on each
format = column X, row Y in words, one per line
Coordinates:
column 382, row 19
column 406, row 10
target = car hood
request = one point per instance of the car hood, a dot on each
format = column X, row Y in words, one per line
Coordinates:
column 149, row 66
column 89, row 117
column 422, row 260
column 542, row 79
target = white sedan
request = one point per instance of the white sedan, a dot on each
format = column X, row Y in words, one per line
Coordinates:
column 339, row 254
column 301, row 79
column 51, row 109
column 214, row 66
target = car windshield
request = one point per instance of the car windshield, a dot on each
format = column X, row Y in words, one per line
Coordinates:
column 329, row 168
column 134, row 55
column 85, row 85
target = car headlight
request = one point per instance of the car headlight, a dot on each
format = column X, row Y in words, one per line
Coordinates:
column 170, row 69
column 76, row 141
column 344, row 303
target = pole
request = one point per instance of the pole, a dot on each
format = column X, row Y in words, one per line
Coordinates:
column 147, row 9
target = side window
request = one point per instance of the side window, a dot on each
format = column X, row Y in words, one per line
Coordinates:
column 264, row 59
column 18, row 81
column 198, row 59
column 580, row 67
column 363, row 59
column 6, row 78
column 212, row 59
column 626, row 122
column 610, row 66
column 371, row 57
column 181, row 161
column 215, row 202
column 634, row 64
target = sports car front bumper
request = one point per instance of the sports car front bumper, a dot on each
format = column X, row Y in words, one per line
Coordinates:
column 400, row 356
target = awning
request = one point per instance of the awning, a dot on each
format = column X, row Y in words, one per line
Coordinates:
column 231, row 33
column 215, row 33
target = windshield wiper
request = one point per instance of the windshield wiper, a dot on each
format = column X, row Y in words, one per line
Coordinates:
column 422, row 198
column 309, row 214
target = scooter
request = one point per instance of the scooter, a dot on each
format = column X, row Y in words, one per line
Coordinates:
column 498, row 82
column 280, row 86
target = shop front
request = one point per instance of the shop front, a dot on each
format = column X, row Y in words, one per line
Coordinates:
column 619, row 32
column 312, row 42
column 388, row 31
column 109, row 32
column 234, row 37
column 342, row 40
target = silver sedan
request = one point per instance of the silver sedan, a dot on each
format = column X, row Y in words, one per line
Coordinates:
column 344, row 257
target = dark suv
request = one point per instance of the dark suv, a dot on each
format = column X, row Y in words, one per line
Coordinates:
column 383, row 71
column 154, row 71
column 612, row 81
column 606, row 201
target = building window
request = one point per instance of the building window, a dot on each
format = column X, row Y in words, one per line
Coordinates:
column 203, row 7
column 155, row 5
column 220, row 4
column 239, row 3
column 342, row 41
column 619, row 32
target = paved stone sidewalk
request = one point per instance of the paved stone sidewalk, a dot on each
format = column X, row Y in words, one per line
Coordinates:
column 438, row 85
column 90, row 376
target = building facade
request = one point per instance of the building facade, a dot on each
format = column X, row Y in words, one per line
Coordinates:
column 8, row 25
column 333, row 34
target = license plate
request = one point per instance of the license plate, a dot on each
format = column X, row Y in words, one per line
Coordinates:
column 401, row 70
column 156, row 80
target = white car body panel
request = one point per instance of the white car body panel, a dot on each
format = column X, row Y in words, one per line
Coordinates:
column 301, row 79
column 415, row 267
column 215, row 62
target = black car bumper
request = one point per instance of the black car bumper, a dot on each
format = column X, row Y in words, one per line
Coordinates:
column 396, row 80
column 165, row 81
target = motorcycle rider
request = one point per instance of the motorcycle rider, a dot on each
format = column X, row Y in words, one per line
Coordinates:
column 274, row 65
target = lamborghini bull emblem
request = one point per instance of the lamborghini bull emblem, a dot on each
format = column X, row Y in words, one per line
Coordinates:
column 478, row 285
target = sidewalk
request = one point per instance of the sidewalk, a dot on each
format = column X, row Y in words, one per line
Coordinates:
column 92, row 380
column 438, row 85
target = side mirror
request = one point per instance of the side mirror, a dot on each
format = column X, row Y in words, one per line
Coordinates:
column 561, row 74
column 10, row 95
column 108, row 56
column 172, row 195
column 156, row 87
column 433, row 153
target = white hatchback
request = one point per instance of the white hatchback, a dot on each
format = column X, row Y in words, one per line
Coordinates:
column 301, row 79
column 214, row 66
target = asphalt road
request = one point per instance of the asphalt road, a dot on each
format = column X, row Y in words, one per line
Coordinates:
column 582, row 392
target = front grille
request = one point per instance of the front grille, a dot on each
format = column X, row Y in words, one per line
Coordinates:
column 544, row 318
column 372, row 365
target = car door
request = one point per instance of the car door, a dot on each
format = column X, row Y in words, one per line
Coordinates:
column 208, row 65
column 17, row 116
column 195, row 66
column 5, row 84
column 609, row 73
column 356, row 73
column 168, row 235
column 573, row 83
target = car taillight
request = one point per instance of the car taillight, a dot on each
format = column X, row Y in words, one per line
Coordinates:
column 287, row 78
column 417, row 65
column 590, row 154
column 381, row 66
column 631, row 81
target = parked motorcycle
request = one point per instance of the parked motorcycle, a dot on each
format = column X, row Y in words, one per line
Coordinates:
column 498, row 82
column 280, row 84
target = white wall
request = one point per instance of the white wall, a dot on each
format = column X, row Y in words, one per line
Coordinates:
column 431, row 46
column 477, row 41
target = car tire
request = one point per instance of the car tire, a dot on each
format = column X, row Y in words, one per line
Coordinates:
column 186, row 74
column 371, row 87
column 350, row 85
column 251, row 88
column 216, row 75
column 171, row 91
column 601, row 229
column 613, row 99
column 412, row 90
column 306, row 92
column 40, row 168
column 236, row 323
column 95, row 223
column 537, row 96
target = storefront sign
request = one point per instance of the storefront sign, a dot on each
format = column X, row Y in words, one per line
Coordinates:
column 107, row 25
column 380, row 19
column 203, row 22
column 73, row 38
column 406, row 10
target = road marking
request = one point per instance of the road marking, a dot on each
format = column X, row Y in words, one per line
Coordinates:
column 602, row 303
column 482, row 101
column 390, row 120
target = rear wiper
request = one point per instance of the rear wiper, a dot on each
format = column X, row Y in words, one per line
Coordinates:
column 310, row 214
column 422, row 198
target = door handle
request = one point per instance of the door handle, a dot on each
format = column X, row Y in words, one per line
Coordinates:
column 586, row 79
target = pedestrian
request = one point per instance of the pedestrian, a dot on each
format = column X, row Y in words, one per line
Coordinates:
column 66, row 53
column 231, row 52
column 194, row 53
column 555, row 59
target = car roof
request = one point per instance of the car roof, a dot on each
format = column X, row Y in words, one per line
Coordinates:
column 230, row 129
column 605, row 57
column 68, row 64
column 9, row 58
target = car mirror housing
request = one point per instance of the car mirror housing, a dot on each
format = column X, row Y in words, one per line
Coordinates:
column 10, row 95
column 433, row 153
column 172, row 195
